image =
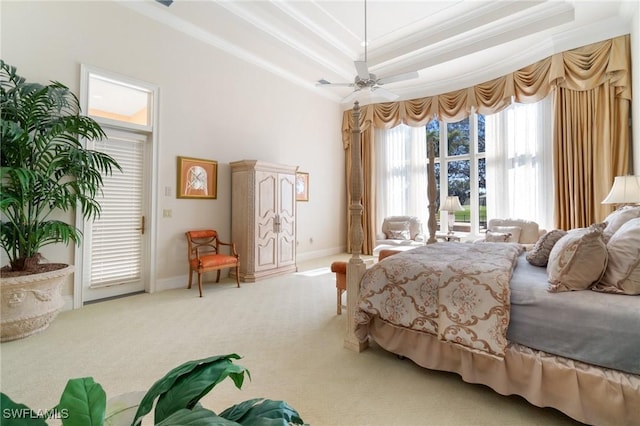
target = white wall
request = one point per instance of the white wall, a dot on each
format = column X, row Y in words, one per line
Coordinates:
column 212, row 105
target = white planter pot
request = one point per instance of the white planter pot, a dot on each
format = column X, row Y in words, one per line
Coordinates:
column 30, row 303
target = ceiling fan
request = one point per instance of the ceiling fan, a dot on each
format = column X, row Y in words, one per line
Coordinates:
column 366, row 80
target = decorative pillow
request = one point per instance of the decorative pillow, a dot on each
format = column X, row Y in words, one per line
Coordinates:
column 395, row 230
column 497, row 237
column 623, row 269
column 513, row 230
column 539, row 255
column 618, row 218
column 398, row 235
column 577, row 260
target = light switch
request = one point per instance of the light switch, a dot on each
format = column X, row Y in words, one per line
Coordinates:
column 166, row 213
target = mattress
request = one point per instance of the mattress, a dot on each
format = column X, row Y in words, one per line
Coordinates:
column 596, row 328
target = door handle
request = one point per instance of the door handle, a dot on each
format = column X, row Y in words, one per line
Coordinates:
column 141, row 229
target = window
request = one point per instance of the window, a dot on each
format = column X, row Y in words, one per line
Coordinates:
column 498, row 166
column 519, row 156
column 401, row 172
column 116, row 102
column 461, row 171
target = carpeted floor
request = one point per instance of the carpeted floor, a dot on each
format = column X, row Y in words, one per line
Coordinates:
column 287, row 331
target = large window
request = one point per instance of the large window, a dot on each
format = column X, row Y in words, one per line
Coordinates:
column 520, row 163
column 460, row 168
column 501, row 169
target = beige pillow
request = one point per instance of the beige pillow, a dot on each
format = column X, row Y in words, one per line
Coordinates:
column 618, row 218
column 497, row 237
column 395, row 230
column 513, row 230
column 539, row 254
column 577, row 260
column 623, row 269
column 398, row 235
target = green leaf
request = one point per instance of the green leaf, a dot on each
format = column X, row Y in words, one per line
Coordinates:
column 264, row 412
column 84, row 403
column 191, row 380
column 197, row 417
column 16, row 414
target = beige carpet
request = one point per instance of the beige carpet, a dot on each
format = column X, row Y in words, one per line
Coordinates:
column 287, row 331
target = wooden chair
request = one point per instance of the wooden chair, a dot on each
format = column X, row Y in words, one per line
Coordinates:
column 203, row 249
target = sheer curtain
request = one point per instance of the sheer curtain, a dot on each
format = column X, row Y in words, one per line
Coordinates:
column 519, row 163
column 401, row 172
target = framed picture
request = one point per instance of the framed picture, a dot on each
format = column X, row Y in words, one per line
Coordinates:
column 302, row 186
column 197, row 178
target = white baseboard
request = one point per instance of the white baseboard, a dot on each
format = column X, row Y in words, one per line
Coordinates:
column 309, row 255
column 172, row 283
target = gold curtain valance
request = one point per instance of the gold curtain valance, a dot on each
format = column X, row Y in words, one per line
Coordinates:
column 579, row 69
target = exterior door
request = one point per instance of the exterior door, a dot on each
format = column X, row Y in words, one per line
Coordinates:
column 113, row 246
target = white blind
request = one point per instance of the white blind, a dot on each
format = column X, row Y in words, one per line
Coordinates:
column 116, row 246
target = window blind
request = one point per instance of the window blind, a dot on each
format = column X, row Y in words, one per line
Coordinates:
column 116, row 240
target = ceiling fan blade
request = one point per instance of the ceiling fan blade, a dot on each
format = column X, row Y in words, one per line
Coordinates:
column 398, row 77
column 384, row 93
column 362, row 69
column 323, row 82
column 350, row 97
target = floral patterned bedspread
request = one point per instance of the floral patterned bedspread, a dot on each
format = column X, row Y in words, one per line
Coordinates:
column 457, row 291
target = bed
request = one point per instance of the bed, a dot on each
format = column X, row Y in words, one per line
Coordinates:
column 573, row 349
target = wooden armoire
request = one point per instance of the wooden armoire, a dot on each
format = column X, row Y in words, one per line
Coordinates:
column 263, row 218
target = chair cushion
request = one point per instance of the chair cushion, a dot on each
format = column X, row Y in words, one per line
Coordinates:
column 339, row 267
column 402, row 223
column 213, row 261
column 497, row 237
column 529, row 230
column 513, row 232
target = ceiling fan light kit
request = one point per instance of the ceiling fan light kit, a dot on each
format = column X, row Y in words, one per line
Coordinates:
column 365, row 80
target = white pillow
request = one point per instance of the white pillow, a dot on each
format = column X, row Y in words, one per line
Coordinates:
column 513, row 230
column 497, row 237
column 398, row 230
column 398, row 235
column 618, row 218
column 577, row 260
column 623, row 270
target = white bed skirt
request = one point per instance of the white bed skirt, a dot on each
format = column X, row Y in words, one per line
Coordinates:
column 589, row 394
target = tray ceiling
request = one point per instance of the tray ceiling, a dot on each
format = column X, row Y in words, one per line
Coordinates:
column 452, row 44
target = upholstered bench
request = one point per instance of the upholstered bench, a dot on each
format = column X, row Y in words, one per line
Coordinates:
column 340, row 269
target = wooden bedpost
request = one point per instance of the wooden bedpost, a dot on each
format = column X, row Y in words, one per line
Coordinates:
column 431, row 192
column 356, row 267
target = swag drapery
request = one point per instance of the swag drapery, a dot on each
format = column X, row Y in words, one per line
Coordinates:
column 591, row 90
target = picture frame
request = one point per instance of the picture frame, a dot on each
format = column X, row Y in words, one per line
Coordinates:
column 197, row 178
column 302, row 186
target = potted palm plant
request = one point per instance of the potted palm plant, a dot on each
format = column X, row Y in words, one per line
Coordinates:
column 44, row 168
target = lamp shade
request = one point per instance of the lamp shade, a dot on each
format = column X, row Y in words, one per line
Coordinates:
column 625, row 190
column 451, row 204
